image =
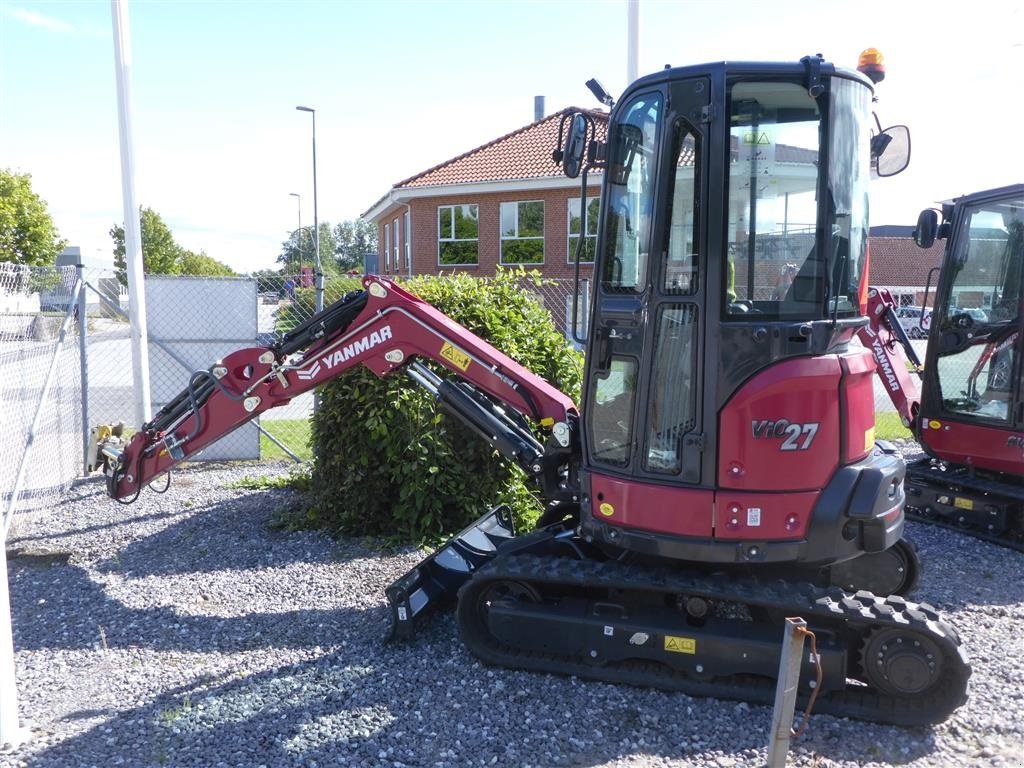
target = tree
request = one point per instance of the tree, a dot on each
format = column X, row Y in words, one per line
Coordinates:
column 27, row 232
column 161, row 255
column 201, row 265
column 354, row 240
column 300, row 249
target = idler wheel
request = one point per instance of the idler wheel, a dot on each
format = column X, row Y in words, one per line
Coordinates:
column 899, row 663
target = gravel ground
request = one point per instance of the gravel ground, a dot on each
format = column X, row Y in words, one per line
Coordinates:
column 184, row 631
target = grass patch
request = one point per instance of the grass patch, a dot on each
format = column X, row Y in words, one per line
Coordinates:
column 292, row 432
column 889, row 427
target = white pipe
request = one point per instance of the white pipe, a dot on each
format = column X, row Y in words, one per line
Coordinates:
column 132, row 226
column 633, row 40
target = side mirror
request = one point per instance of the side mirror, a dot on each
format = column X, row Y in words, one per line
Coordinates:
column 927, row 227
column 890, row 150
column 575, row 144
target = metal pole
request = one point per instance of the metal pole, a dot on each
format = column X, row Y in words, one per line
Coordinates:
column 633, row 39
column 83, row 364
column 316, row 232
column 785, row 691
column 316, row 221
column 11, row 732
column 132, row 234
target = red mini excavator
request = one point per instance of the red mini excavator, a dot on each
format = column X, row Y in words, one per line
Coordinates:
column 968, row 409
column 722, row 473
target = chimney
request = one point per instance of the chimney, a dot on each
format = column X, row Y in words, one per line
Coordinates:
column 538, row 108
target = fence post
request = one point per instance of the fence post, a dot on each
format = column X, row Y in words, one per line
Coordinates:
column 11, row 732
column 785, row 691
column 83, row 364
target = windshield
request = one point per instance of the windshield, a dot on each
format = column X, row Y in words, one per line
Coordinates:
column 774, row 268
column 980, row 320
column 632, row 144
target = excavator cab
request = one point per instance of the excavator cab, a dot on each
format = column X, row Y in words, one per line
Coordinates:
column 972, row 409
column 727, row 418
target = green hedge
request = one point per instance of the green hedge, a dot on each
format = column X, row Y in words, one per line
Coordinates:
column 390, row 463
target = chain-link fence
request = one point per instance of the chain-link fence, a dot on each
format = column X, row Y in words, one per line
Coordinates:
column 41, row 426
column 192, row 322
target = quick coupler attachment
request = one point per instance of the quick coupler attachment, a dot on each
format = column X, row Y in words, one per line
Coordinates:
column 435, row 581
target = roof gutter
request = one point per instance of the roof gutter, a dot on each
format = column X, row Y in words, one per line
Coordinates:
column 402, row 195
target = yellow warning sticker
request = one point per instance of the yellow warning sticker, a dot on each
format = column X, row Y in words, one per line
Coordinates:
column 933, row 424
column 680, row 644
column 606, row 509
column 963, row 503
column 869, row 439
column 455, row 356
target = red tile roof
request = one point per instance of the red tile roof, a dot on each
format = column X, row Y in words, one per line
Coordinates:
column 523, row 154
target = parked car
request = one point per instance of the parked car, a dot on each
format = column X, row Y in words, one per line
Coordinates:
column 916, row 321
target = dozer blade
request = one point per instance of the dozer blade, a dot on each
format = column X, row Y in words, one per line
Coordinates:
column 435, row 581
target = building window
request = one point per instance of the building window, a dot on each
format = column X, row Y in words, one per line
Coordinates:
column 408, row 243
column 396, row 261
column 457, row 234
column 522, row 232
column 387, row 248
column 576, row 222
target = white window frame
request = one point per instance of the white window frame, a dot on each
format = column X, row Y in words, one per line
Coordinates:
column 387, row 248
column 570, row 248
column 503, row 238
column 408, row 242
column 451, row 208
column 396, row 262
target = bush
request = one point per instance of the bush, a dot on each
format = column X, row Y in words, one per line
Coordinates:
column 388, row 462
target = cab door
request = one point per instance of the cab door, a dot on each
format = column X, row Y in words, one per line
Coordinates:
column 974, row 393
column 644, row 435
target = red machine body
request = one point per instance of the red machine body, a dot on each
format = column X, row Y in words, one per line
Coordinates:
column 964, row 404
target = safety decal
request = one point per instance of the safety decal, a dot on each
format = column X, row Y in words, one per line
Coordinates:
column 455, row 356
column 754, row 517
column 963, row 503
column 680, row 644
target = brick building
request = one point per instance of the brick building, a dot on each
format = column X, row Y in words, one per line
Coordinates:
column 503, row 203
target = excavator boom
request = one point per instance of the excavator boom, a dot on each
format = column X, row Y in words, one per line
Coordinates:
column 385, row 329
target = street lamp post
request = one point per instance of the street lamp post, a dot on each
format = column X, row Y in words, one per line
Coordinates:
column 298, row 232
column 316, row 221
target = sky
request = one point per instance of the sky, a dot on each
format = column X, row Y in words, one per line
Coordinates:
column 400, row 86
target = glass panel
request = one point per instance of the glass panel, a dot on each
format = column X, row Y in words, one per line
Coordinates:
column 509, row 215
column 575, row 222
column 979, row 329
column 679, row 273
column 465, row 222
column 672, row 412
column 444, row 222
column 773, row 182
column 457, row 252
column 611, row 414
column 849, row 167
column 531, row 219
column 522, row 251
column 632, row 157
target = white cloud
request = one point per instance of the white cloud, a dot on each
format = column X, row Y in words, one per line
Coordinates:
column 39, row 20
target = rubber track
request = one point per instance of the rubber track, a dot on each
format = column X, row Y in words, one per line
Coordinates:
column 922, row 472
column 822, row 608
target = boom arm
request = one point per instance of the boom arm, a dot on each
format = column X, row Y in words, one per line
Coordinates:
column 383, row 328
column 891, row 348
